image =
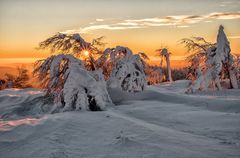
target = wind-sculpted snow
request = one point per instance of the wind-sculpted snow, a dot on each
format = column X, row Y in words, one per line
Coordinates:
column 225, row 100
column 160, row 122
column 21, row 103
column 9, row 125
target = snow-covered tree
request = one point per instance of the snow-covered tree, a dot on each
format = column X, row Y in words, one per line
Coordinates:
column 197, row 57
column 127, row 69
column 218, row 57
column 237, row 66
column 194, row 70
column 223, row 48
column 164, row 53
column 70, row 85
column 111, row 56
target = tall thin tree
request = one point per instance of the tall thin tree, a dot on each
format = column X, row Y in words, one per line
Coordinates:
column 163, row 53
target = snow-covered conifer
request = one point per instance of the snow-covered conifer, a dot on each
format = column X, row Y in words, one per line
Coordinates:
column 218, row 56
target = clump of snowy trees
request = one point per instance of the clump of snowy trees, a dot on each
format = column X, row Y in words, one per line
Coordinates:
column 75, row 84
column 154, row 74
column 20, row 80
column 217, row 60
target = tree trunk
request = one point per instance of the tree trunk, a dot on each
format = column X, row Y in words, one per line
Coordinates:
column 92, row 63
column 233, row 78
column 169, row 69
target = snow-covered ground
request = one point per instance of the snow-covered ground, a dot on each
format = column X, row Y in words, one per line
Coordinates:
column 160, row 122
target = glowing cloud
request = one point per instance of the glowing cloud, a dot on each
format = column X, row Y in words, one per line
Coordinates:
column 180, row 21
column 234, row 37
column 99, row 19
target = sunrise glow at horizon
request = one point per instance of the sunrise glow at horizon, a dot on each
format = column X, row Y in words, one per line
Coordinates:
column 140, row 25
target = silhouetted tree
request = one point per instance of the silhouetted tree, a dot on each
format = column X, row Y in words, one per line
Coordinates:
column 18, row 81
column 74, row 44
column 2, row 84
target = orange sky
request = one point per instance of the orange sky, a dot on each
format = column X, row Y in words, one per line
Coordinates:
column 140, row 25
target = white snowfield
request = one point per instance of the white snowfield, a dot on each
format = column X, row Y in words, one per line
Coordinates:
column 161, row 122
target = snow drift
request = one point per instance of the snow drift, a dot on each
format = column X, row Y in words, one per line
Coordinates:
column 161, row 121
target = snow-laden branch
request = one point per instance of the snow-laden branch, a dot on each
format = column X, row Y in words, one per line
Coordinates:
column 65, row 43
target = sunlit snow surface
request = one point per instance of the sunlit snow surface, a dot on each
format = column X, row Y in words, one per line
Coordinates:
column 161, row 122
column 8, row 125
